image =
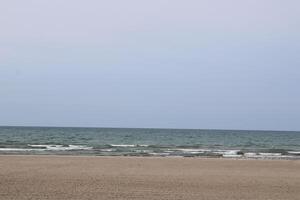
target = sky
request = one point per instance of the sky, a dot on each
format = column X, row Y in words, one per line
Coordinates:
column 160, row 64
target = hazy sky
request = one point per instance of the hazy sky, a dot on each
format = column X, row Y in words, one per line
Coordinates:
column 181, row 64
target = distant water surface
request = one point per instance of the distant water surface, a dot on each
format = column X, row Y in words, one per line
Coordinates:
column 150, row 142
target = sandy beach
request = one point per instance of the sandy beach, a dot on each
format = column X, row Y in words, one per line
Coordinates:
column 63, row 177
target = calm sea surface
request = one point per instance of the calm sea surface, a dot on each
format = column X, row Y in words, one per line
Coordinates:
column 149, row 142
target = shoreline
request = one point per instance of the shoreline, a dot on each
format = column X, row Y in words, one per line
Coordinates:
column 156, row 157
column 149, row 178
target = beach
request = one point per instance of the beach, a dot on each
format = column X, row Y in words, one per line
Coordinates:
column 92, row 177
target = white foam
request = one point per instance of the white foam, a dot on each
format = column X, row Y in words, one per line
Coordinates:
column 232, row 156
column 20, row 149
column 189, row 150
column 79, row 147
column 159, row 154
column 142, row 151
column 226, row 152
column 270, row 154
column 169, row 151
column 129, row 145
column 123, row 145
column 266, row 155
column 192, row 151
column 250, row 154
column 107, row 150
column 61, row 147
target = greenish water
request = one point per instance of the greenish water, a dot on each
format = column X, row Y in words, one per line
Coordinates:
column 149, row 142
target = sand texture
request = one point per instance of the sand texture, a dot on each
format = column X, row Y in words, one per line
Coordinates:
column 63, row 177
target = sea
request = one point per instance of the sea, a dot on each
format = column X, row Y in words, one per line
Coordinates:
column 240, row 144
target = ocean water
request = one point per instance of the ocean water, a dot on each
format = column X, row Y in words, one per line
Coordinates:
column 150, row 142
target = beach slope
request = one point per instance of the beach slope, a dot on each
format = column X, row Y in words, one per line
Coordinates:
column 78, row 177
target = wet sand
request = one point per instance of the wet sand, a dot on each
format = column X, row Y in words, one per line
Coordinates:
column 63, row 177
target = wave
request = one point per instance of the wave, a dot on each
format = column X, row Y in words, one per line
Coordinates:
column 20, row 149
column 294, row 152
column 129, row 145
column 42, row 147
column 270, row 154
column 107, row 150
column 188, row 151
column 160, row 154
column 148, row 150
column 266, row 155
column 60, row 147
column 228, row 153
column 123, row 145
column 250, row 154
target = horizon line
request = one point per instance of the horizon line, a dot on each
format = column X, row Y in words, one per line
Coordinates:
column 103, row 127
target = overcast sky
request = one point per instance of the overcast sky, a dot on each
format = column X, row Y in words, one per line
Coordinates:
column 162, row 63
